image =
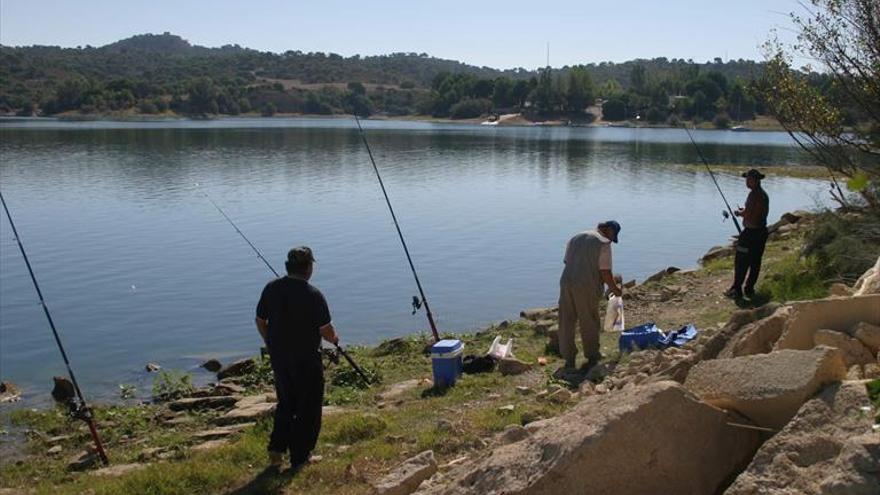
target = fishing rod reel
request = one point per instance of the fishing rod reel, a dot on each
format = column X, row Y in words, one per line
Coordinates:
column 417, row 304
column 332, row 355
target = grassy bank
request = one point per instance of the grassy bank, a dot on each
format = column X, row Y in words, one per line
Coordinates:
column 370, row 430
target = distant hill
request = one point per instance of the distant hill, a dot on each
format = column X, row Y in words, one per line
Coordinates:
column 157, row 70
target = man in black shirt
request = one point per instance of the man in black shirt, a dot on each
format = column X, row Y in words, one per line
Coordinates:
column 292, row 316
column 752, row 240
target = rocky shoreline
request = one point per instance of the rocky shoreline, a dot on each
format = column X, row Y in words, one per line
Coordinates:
column 767, row 398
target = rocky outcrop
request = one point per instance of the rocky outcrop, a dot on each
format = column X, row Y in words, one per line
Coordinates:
column 869, row 282
column 238, row 368
column 766, row 388
column 758, row 337
column 828, row 448
column 839, row 314
column 854, row 352
column 653, row 439
column 201, row 403
column 406, row 478
column 662, row 274
column 868, row 335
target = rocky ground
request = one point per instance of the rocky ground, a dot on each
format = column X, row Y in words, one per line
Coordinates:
column 768, row 398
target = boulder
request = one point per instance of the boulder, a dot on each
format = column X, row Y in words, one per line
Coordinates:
column 238, row 368
column 228, row 389
column 152, row 367
column 827, row 448
column 766, row 388
column 871, row 371
column 869, row 282
column 406, row 477
column 512, row 366
column 868, row 335
column 839, row 289
column 212, row 365
column 536, row 314
column 853, row 350
column 541, row 327
column 201, row 403
column 221, row 432
column 718, row 252
column 655, row 439
column 247, row 413
column 63, row 390
column 83, row 460
column 662, row 274
column 512, row 433
column 251, row 400
column 758, row 337
column 9, row 392
column 209, row 445
column 839, row 314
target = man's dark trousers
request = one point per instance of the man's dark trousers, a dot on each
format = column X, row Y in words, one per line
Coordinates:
column 749, row 252
column 299, row 385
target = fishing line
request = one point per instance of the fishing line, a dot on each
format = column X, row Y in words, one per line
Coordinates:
column 416, row 303
column 712, row 174
column 78, row 406
column 269, row 266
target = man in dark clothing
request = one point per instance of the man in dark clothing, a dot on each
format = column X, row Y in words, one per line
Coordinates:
column 751, row 242
column 292, row 316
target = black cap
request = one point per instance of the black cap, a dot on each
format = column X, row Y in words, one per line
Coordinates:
column 754, row 174
column 300, row 255
column 613, row 226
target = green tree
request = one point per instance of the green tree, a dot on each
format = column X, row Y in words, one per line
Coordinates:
column 844, row 36
column 638, row 78
column 614, row 110
column 203, row 96
column 544, row 95
column 579, row 92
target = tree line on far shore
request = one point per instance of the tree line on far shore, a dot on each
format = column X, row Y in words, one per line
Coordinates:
column 160, row 74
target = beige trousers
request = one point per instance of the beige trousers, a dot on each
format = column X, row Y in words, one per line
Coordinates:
column 578, row 306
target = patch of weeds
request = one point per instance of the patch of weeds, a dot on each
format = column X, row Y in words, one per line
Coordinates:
column 127, row 391
column 340, row 396
column 844, row 246
column 718, row 265
column 874, row 395
column 793, row 279
column 346, row 376
column 172, row 384
column 353, row 428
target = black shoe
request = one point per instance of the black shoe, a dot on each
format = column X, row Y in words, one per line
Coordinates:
column 733, row 293
column 750, row 292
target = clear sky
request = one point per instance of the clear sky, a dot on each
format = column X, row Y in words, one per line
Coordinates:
column 500, row 34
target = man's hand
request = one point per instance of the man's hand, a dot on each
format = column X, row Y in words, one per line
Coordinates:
column 263, row 327
column 608, row 278
column 616, row 291
column 328, row 333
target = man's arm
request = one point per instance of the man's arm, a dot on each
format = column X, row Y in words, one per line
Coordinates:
column 263, row 327
column 328, row 332
column 608, row 278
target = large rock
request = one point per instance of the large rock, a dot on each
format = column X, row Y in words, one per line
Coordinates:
column 247, row 413
column 868, row 335
column 662, row 274
column 869, row 282
column 835, row 314
column 854, row 352
column 536, row 314
column 238, row 368
column 63, row 390
column 406, row 478
column 828, row 448
column 200, row 403
column 717, row 252
column 512, row 366
column 766, row 388
column 647, row 440
column 758, row 337
column 9, row 392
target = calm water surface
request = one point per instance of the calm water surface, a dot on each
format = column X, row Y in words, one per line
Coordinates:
column 137, row 266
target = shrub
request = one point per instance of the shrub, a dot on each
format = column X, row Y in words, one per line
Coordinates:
column 613, row 110
column 470, row 108
column 793, row 279
column 268, row 110
column 148, row 107
column 170, row 385
column 721, row 121
column 844, row 246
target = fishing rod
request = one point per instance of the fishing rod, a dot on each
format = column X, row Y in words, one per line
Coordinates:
column 712, row 174
column 416, row 303
column 272, row 269
column 79, row 408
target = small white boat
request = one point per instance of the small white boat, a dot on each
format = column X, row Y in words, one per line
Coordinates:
column 740, row 128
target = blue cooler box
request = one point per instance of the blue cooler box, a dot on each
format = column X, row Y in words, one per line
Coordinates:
column 446, row 361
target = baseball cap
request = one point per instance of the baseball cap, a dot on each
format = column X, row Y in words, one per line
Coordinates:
column 614, row 226
column 754, row 173
column 300, row 255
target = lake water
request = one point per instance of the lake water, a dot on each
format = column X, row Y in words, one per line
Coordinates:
column 137, row 266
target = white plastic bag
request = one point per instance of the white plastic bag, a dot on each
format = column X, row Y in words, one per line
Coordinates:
column 614, row 315
column 499, row 350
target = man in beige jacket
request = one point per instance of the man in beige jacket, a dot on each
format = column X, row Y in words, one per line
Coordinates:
column 587, row 267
